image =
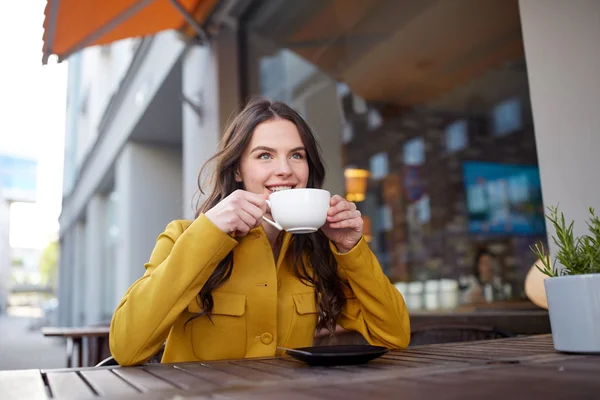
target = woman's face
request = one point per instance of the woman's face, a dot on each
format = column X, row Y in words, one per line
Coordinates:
column 274, row 160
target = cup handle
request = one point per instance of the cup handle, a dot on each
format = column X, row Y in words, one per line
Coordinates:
column 275, row 224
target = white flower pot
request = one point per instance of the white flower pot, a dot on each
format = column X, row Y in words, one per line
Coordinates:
column 574, row 308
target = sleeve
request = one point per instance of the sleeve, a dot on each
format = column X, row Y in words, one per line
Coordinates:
column 180, row 264
column 374, row 307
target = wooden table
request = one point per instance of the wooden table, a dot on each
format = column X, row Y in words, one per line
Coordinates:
column 525, row 367
column 76, row 337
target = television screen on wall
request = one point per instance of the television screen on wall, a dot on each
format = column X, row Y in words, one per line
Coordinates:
column 503, row 198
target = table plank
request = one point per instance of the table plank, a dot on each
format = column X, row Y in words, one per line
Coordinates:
column 425, row 359
column 143, row 380
column 22, row 384
column 364, row 391
column 242, row 369
column 180, row 378
column 299, row 370
column 274, row 369
column 105, row 382
column 457, row 354
column 208, row 374
column 69, row 385
column 516, row 380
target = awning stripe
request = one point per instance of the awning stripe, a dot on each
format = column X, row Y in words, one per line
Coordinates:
column 129, row 12
column 71, row 25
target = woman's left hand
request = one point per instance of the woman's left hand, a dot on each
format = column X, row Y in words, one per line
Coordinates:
column 344, row 226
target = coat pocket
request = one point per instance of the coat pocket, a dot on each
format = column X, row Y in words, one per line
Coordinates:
column 304, row 320
column 305, row 303
column 224, row 334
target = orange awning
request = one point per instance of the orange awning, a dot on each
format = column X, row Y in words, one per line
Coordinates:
column 71, row 25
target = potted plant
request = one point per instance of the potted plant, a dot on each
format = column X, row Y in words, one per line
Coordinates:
column 573, row 289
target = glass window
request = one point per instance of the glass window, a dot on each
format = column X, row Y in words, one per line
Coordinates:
column 414, row 152
column 379, row 165
column 507, row 117
column 457, row 137
column 420, row 97
column 374, row 120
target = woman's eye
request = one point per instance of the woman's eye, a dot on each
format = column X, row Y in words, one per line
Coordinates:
column 297, row 156
column 264, row 156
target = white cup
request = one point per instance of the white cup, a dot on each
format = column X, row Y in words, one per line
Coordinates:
column 299, row 210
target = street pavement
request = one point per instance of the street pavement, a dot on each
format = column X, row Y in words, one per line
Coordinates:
column 22, row 345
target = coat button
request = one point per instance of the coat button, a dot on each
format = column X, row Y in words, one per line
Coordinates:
column 266, row 338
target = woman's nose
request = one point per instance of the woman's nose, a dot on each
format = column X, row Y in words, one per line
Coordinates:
column 283, row 167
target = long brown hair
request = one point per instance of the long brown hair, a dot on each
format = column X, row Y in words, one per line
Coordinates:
column 312, row 249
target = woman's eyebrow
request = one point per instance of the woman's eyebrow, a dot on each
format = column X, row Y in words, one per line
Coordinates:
column 265, row 148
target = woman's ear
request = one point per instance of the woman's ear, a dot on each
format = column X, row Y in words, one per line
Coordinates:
column 238, row 176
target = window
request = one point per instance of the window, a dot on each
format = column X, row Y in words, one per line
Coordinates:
column 378, row 164
column 414, row 151
column 374, row 119
column 457, row 137
column 507, row 117
column 347, row 132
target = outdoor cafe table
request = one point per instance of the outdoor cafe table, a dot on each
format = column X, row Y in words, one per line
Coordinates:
column 76, row 338
column 523, row 367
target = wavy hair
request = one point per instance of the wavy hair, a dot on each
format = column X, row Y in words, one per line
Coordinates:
column 312, row 259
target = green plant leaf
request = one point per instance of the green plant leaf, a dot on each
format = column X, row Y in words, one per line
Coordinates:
column 578, row 255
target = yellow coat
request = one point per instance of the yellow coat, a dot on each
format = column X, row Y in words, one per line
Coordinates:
column 263, row 305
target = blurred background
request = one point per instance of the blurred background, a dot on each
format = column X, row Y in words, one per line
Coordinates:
column 425, row 112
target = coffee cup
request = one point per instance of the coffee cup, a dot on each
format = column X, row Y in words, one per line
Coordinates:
column 299, row 210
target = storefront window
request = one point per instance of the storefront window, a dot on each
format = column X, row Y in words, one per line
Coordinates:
column 422, row 110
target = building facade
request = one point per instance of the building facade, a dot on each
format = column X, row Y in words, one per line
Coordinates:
column 450, row 123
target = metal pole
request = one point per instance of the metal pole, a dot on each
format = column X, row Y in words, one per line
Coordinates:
column 190, row 20
column 124, row 15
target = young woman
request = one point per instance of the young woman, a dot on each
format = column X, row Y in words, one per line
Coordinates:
column 227, row 285
column 483, row 286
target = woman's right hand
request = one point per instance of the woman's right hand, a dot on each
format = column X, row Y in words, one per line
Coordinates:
column 238, row 213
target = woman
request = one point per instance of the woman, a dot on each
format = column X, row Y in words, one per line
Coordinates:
column 227, row 285
column 484, row 286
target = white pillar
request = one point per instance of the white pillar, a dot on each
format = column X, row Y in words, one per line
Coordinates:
column 65, row 279
column 211, row 81
column 562, row 48
column 148, row 186
column 94, row 258
column 78, row 278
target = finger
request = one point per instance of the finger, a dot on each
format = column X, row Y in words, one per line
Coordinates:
column 246, row 221
column 255, row 212
column 339, row 207
column 335, row 199
column 354, row 223
column 256, row 199
column 350, row 214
